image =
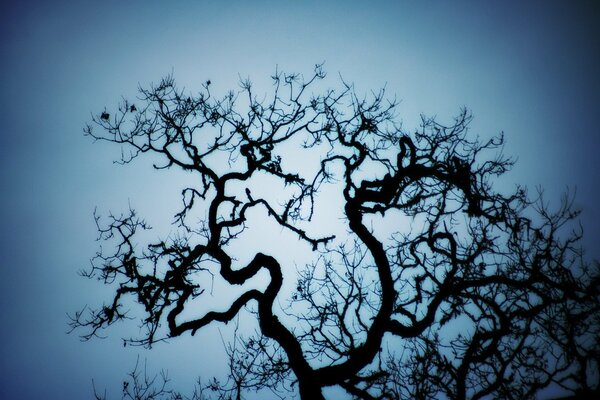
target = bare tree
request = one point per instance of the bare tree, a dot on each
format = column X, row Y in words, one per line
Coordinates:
column 475, row 293
column 141, row 385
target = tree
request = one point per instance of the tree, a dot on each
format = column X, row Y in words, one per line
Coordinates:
column 474, row 293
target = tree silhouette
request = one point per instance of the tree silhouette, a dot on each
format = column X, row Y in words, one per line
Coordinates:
column 472, row 292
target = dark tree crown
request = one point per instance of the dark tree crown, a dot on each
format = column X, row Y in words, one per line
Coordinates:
column 474, row 293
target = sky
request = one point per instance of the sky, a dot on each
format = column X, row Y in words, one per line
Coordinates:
column 528, row 69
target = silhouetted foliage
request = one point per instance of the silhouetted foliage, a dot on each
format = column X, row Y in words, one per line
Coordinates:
column 474, row 293
column 140, row 385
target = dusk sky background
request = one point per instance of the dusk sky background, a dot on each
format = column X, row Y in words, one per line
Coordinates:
column 530, row 69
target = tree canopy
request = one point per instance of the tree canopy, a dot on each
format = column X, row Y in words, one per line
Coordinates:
column 440, row 285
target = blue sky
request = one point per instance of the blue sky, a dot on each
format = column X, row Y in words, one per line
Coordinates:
column 529, row 69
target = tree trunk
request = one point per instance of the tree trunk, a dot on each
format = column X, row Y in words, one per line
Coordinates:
column 310, row 391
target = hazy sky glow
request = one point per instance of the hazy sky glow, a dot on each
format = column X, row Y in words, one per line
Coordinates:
column 529, row 69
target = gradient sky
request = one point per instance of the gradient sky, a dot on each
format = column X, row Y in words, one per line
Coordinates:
column 530, row 69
